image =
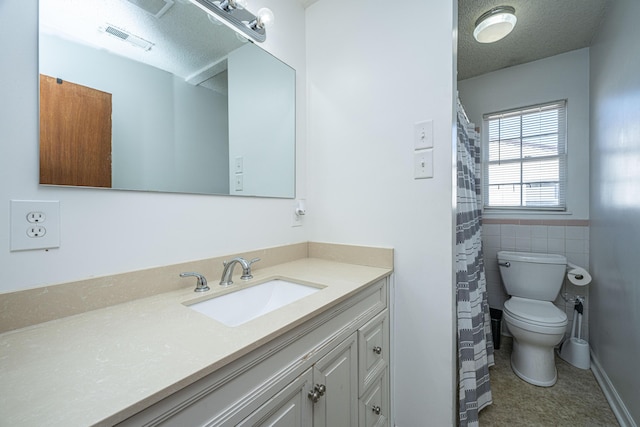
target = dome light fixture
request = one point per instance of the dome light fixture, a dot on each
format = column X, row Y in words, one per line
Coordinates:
column 495, row 24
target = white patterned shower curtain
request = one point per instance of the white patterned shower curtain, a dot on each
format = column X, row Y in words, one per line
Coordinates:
column 475, row 343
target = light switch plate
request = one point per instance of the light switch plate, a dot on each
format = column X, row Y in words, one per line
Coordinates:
column 423, row 164
column 35, row 224
column 239, row 179
column 423, row 135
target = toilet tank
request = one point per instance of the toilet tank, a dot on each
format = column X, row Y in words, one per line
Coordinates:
column 532, row 275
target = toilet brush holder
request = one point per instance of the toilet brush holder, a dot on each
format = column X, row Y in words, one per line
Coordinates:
column 576, row 352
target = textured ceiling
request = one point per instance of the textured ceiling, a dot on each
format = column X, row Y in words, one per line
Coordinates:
column 545, row 28
column 184, row 40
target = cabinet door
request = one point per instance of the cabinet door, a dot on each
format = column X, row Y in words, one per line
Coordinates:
column 290, row 407
column 338, row 372
column 374, row 405
column 373, row 342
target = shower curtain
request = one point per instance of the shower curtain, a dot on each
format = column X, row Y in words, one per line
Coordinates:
column 475, row 343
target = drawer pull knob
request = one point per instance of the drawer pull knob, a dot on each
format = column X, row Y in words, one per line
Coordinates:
column 377, row 350
column 376, row 410
column 318, row 391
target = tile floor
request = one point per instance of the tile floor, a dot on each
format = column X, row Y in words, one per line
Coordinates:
column 576, row 400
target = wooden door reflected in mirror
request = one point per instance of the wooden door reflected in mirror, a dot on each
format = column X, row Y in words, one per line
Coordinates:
column 75, row 134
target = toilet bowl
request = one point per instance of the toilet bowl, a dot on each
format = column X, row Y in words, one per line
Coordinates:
column 533, row 281
column 537, row 327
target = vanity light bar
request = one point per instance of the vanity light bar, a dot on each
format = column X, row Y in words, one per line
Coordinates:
column 239, row 19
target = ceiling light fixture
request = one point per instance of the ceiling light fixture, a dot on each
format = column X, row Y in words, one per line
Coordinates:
column 495, row 24
column 263, row 19
column 229, row 5
column 234, row 14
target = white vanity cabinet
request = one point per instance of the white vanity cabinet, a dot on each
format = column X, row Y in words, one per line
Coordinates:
column 330, row 371
column 323, row 396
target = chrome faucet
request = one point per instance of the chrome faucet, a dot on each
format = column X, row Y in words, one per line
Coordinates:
column 201, row 285
column 227, row 273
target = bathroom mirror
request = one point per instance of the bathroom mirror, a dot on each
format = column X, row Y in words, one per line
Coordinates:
column 154, row 95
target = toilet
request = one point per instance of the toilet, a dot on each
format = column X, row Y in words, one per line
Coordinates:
column 533, row 282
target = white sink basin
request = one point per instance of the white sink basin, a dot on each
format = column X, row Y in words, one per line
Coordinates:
column 236, row 308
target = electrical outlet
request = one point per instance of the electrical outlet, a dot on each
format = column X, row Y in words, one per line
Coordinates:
column 296, row 220
column 36, row 232
column 36, row 217
column 34, row 225
column 299, row 211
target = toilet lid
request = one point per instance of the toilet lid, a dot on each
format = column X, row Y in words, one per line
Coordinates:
column 536, row 312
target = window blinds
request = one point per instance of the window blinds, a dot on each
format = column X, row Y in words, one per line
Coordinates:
column 525, row 158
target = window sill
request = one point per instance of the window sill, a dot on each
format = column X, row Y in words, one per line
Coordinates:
column 520, row 214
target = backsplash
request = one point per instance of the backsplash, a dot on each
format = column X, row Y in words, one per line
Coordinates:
column 23, row 308
column 565, row 237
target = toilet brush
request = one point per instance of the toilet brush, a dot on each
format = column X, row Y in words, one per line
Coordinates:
column 575, row 350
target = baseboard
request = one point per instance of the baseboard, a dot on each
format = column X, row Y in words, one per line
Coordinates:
column 617, row 405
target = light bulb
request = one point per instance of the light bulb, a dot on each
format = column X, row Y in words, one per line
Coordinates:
column 264, row 18
column 238, row 4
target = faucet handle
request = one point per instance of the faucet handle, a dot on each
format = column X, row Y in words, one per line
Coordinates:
column 246, row 269
column 201, row 285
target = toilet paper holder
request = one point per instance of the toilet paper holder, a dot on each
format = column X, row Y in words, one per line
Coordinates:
column 577, row 275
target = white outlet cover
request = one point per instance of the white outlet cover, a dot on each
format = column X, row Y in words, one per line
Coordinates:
column 23, row 237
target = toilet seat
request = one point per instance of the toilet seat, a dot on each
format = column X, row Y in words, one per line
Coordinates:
column 541, row 313
column 535, row 316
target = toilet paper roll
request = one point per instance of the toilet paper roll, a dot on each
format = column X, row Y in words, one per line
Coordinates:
column 578, row 275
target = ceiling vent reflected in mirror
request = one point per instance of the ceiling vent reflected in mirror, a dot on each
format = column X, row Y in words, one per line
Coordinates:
column 156, row 8
column 126, row 36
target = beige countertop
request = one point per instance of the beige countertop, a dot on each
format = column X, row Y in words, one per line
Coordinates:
column 102, row 366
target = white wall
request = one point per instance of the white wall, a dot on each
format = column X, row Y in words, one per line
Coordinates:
column 266, row 146
column 156, row 117
column 615, row 203
column 371, row 76
column 564, row 76
column 368, row 85
column 106, row 231
column 200, row 152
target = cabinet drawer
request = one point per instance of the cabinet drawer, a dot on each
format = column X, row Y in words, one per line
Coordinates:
column 374, row 405
column 373, row 349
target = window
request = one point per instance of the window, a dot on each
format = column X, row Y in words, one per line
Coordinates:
column 525, row 158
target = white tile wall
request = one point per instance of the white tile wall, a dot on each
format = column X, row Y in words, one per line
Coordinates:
column 571, row 241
